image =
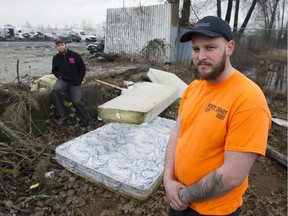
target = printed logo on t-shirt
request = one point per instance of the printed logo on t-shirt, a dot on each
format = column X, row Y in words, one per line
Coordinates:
column 220, row 113
column 72, row 60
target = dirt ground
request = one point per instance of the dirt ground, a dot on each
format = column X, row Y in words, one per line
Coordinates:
column 64, row 193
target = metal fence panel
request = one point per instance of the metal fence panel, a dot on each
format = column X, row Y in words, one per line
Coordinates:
column 184, row 56
column 130, row 30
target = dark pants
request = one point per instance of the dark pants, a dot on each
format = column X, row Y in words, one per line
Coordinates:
column 191, row 212
column 74, row 93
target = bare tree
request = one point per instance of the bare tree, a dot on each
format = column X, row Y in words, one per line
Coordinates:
column 273, row 17
column 27, row 25
column 282, row 23
column 235, row 25
column 229, row 10
column 269, row 9
column 206, row 4
column 219, row 8
column 246, row 20
column 84, row 24
column 185, row 13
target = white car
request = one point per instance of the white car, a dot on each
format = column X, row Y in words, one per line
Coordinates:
column 36, row 35
column 87, row 37
column 50, row 36
column 21, row 36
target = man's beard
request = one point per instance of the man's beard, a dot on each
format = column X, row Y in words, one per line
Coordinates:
column 63, row 51
column 215, row 73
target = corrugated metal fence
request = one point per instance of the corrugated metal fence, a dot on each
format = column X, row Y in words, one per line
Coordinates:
column 184, row 56
column 144, row 32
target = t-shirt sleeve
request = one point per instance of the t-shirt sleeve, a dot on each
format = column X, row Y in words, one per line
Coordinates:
column 248, row 131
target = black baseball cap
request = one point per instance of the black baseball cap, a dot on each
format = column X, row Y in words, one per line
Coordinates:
column 210, row 26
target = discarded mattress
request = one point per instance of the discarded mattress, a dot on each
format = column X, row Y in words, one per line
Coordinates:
column 125, row 158
column 141, row 104
column 167, row 78
column 43, row 83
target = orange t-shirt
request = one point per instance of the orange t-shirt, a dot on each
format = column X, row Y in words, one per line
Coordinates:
column 231, row 115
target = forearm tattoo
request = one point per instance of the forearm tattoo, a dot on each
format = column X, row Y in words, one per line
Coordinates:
column 202, row 190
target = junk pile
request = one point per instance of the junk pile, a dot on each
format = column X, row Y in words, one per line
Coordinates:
column 126, row 155
column 97, row 51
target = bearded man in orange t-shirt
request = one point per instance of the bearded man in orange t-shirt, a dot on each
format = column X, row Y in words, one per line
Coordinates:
column 221, row 129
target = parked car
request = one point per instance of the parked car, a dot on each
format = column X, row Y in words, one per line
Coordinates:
column 36, row 35
column 87, row 37
column 73, row 36
column 50, row 36
column 21, row 36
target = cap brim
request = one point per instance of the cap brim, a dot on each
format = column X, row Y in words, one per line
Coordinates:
column 188, row 35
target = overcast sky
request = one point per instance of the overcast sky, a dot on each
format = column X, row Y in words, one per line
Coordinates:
column 61, row 13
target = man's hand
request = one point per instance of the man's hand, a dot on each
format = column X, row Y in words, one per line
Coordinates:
column 172, row 188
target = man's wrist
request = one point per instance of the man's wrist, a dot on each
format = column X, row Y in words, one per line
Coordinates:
column 166, row 178
column 182, row 196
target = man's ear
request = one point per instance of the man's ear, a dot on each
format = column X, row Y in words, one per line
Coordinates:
column 230, row 47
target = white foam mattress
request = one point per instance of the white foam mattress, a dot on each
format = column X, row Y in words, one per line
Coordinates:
column 125, row 158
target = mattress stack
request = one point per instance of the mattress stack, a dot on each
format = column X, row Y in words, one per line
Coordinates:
column 125, row 157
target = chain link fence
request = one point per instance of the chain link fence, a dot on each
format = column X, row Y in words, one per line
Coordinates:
column 262, row 54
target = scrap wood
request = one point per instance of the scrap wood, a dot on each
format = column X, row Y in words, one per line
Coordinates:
column 280, row 121
column 274, row 154
column 10, row 133
column 108, row 84
column 13, row 136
